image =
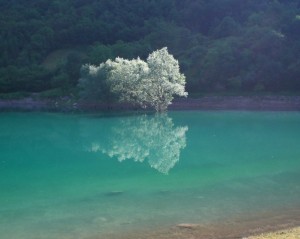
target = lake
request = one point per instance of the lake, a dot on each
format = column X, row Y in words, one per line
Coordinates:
column 103, row 175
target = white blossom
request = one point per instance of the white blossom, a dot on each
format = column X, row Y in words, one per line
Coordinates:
column 149, row 84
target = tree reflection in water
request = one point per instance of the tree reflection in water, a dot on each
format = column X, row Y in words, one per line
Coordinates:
column 151, row 138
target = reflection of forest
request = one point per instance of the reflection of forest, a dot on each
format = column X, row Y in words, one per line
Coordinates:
column 151, row 138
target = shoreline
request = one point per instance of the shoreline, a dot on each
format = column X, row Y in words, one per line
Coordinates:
column 266, row 225
column 220, row 231
column 289, row 103
column 291, row 233
column 259, row 103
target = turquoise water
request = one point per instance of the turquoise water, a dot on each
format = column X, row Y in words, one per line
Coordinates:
column 85, row 175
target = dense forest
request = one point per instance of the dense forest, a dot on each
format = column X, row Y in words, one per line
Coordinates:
column 222, row 45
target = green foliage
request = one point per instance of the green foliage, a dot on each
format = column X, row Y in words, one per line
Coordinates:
column 93, row 84
column 29, row 79
column 222, row 45
column 14, row 95
column 51, row 94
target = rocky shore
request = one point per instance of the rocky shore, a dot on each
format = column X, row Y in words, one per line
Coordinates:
column 203, row 103
column 239, row 103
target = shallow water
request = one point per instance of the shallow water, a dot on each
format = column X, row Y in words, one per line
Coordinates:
column 87, row 175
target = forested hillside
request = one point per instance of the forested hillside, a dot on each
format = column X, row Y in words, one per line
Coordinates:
column 221, row 45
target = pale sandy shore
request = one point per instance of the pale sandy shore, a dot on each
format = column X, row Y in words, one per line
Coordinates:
column 293, row 233
column 207, row 232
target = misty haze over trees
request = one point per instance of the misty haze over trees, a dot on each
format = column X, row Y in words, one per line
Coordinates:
column 221, row 45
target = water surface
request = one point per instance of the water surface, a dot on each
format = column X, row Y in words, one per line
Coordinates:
column 86, row 175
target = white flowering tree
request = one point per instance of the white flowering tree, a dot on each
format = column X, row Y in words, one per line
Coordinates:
column 153, row 83
column 163, row 81
column 125, row 79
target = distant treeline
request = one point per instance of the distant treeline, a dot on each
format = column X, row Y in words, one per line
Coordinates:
column 221, row 45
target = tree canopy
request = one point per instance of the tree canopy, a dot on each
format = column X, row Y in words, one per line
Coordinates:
column 222, row 45
column 149, row 84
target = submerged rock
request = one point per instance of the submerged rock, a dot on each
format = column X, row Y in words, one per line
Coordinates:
column 114, row 193
column 187, row 225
